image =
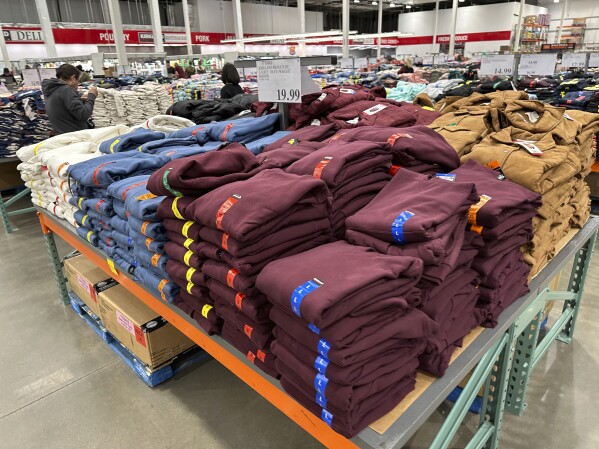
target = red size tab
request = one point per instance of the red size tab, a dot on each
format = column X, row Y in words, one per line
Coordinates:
column 97, row 170
column 251, row 356
column 139, row 336
column 226, row 131
column 224, row 244
column 492, row 165
column 261, row 355
column 132, row 186
column 321, row 165
column 394, row 169
column 231, row 276
column 224, row 209
column 239, row 297
column 391, row 140
column 98, row 204
column 247, row 330
column 336, row 137
column 195, row 131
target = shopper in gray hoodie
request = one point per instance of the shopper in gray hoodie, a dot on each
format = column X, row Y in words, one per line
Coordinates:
column 66, row 110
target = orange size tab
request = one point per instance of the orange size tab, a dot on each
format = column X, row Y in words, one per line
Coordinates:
column 261, row 355
column 224, row 209
column 239, row 297
column 321, row 165
column 251, row 356
column 247, row 330
column 144, row 226
column 231, row 276
column 148, row 242
column 224, row 244
column 493, row 165
column 394, row 169
column 155, row 259
column 161, row 285
column 477, row 229
column 484, row 199
column 147, row 196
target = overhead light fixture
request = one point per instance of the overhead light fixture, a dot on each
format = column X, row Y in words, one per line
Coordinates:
column 392, row 5
column 356, row 1
column 375, row 3
column 408, row 6
column 461, row 1
column 555, row 1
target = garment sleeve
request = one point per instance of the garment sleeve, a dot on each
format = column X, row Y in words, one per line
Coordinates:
column 225, row 92
column 80, row 110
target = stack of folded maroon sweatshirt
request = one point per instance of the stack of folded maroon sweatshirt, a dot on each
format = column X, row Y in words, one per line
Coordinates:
column 183, row 181
column 416, row 148
column 425, row 217
column 244, row 226
column 347, row 335
column 503, row 217
column 354, row 173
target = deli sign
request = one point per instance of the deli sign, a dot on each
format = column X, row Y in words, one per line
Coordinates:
column 23, row 36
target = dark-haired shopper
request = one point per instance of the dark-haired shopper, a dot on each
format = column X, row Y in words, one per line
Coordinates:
column 66, row 110
column 230, row 77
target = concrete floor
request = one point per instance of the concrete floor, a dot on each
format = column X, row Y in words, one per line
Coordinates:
column 62, row 387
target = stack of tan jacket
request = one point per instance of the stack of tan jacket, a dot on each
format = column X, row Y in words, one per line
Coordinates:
column 549, row 152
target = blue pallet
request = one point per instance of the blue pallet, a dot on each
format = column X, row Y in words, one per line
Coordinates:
column 150, row 378
column 476, row 405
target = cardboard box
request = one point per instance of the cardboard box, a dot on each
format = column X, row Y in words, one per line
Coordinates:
column 87, row 281
column 141, row 330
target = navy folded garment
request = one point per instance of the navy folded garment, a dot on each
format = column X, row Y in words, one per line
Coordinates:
column 154, row 230
column 100, row 205
column 126, row 255
column 174, row 153
column 244, row 130
column 199, row 132
column 150, row 259
column 105, row 170
column 142, row 204
column 257, row 146
column 122, row 263
column 155, row 246
column 153, row 146
column 82, row 219
column 119, row 190
column 119, row 209
column 123, row 240
column 162, row 287
column 120, row 224
column 109, row 250
column 105, row 237
column 130, row 141
column 90, row 236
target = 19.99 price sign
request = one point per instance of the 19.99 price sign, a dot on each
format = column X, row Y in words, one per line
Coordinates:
column 279, row 80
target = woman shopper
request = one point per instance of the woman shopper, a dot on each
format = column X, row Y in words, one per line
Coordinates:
column 66, row 110
column 190, row 71
column 230, row 77
column 180, row 71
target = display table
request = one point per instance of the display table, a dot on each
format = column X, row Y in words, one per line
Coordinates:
column 10, row 179
column 488, row 353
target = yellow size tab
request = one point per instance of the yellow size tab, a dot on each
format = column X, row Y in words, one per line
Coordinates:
column 187, row 243
column 80, row 201
column 189, row 274
column 83, row 220
column 111, row 266
column 190, row 285
column 147, row 196
column 206, row 309
column 36, row 148
column 186, row 227
column 187, row 256
column 176, row 210
column 89, row 236
column 116, row 141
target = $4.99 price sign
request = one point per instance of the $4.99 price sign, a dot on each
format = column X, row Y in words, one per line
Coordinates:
column 497, row 65
column 279, row 80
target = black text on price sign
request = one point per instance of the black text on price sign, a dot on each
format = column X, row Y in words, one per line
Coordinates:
column 289, row 95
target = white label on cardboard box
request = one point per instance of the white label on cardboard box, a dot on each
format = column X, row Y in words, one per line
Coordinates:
column 125, row 322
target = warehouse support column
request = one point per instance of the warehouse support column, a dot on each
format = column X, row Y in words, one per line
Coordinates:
column 119, row 38
column 301, row 6
column 379, row 30
column 433, row 46
column 238, row 22
column 4, row 48
column 187, row 27
column 454, row 19
column 44, row 16
column 345, row 27
column 519, row 26
column 561, row 22
column 156, row 26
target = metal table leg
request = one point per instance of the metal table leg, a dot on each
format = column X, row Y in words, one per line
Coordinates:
column 4, row 205
column 61, row 281
column 4, row 215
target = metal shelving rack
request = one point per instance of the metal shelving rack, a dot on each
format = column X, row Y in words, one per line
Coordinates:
column 5, row 214
column 490, row 352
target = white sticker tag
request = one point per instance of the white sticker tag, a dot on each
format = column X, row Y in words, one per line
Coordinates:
column 322, row 97
column 533, row 116
column 347, row 91
column 566, row 116
column 375, row 109
column 353, row 121
column 125, row 322
column 529, row 146
column 315, row 122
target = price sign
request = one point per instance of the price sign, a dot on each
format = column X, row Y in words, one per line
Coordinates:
column 46, row 74
column 574, row 60
column 31, row 77
column 538, row 64
column 361, row 63
column 346, row 63
column 497, row 65
column 4, row 89
column 594, row 60
column 427, row 60
column 279, row 80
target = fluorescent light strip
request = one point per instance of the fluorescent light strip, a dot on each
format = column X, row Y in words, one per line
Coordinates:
column 285, row 36
column 358, row 36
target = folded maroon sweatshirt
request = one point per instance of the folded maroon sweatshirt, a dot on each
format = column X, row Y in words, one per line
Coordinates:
column 201, row 173
column 261, row 359
column 259, row 333
column 493, row 269
column 339, row 162
column 410, row 147
column 332, row 99
column 456, row 281
column 329, row 282
column 246, row 209
column 188, row 229
column 209, row 326
column 227, row 275
column 183, row 255
column 288, row 153
column 306, row 134
column 255, row 307
column 357, row 374
column 198, row 291
column 174, row 208
column 181, row 240
column 372, row 113
column 174, row 268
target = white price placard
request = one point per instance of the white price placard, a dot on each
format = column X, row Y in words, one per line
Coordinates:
column 497, row 65
column 594, row 60
column 538, row 64
column 31, row 77
column 361, row 63
column 279, row 80
column 4, row 89
column 427, row 60
column 46, row 74
column 577, row 60
column 346, row 63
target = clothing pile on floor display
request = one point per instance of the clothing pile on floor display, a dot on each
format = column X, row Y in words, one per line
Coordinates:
column 23, row 121
column 45, row 166
column 347, row 335
column 207, row 111
column 130, row 105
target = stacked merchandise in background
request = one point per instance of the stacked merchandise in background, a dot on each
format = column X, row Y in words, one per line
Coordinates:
column 347, row 335
column 23, row 121
column 207, row 111
column 405, row 91
column 130, row 105
column 204, row 87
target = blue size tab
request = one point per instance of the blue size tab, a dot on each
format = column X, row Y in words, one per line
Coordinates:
column 321, row 400
column 397, row 226
column 320, row 383
column 314, row 329
column 323, row 348
column 321, row 365
column 327, row 417
column 446, row 176
column 300, row 293
column 130, row 241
